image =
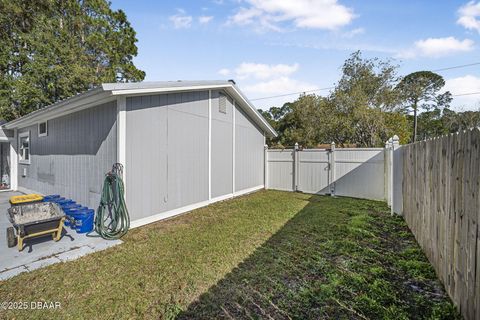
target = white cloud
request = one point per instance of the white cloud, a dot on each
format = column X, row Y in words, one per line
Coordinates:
column 312, row 14
column 352, row 33
column 224, row 72
column 181, row 20
column 261, row 80
column 205, row 19
column 462, row 85
column 279, row 85
column 469, row 16
column 264, row 71
column 437, row 47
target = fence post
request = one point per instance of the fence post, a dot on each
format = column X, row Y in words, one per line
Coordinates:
column 332, row 169
column 388, row 155
column 265, row 166
column 395, row 145
column 295, row 168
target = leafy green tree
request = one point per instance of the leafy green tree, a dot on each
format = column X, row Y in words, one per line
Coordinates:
column 456, row 121
column 421, row 91
column 51, row 50
column 367, row 99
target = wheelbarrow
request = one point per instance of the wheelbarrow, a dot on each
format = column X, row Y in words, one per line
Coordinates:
column 34, row 220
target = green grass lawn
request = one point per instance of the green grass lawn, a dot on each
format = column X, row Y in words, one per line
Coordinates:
column 266, row 255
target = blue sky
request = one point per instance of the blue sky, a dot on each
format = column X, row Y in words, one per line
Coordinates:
column 272, row 47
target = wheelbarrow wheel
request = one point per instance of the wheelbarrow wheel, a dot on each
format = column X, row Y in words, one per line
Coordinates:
column 11, row 238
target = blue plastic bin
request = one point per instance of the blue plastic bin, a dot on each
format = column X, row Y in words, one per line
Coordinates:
column 51, row 198
column 75, row 214
column 70, row 206
column 68, row 209
column 84, row 221
column 65, row 202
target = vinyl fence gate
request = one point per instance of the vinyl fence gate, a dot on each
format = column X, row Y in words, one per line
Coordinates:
column 354, row 172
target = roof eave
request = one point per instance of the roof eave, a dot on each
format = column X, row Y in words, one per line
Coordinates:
column 78, row 102
column 253, row 111
column 232, row 88
column 102, row 94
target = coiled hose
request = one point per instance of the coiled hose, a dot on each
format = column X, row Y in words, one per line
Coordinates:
column 112, row 220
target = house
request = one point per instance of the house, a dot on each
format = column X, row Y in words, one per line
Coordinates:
column 183, row 144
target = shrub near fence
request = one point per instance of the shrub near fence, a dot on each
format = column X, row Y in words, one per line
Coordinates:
column 441, row 204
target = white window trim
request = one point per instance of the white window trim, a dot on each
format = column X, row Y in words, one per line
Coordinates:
column 20, row 152
column 46, row 127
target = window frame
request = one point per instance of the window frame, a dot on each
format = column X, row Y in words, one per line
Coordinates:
column 46, row 129
column 21, row 151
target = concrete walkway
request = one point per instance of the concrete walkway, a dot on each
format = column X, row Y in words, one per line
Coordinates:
column 42, row 251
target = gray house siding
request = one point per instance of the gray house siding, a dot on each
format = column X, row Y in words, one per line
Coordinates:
column 249, row 153
column 222, row 147
column 6, row 134
column 73, row 159
column 167, row 152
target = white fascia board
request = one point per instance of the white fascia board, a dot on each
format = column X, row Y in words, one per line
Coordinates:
column 61, row 109
column 133, row 92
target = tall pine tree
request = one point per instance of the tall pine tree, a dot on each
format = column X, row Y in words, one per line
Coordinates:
column 53, row 49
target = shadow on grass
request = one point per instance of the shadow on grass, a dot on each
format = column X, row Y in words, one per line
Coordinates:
column 337, row 258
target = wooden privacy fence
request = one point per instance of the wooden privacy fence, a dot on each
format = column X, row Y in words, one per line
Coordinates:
column 354, row 172
column 441, row 205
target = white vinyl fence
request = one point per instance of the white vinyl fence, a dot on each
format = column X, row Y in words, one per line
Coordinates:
column 353, row 172
column 434, row 184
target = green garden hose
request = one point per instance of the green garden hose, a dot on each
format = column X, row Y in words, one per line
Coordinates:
column 112, row 220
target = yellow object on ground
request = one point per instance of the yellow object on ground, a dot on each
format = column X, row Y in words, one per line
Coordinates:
column 56, row 234
column 27, row 198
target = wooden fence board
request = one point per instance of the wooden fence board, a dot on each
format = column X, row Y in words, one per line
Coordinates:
column 441, row 205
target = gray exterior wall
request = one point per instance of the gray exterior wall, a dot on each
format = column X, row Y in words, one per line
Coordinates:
column 73, row 159
column 167, row 151
column 249, row 153
column 222, row 148
column 5, row 134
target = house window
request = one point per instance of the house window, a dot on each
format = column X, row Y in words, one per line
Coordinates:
column 222, row 103
column 24, row 150
column 43, row 129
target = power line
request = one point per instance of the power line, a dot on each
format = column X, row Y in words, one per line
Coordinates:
column 329, row 88
column 292, row 93
column 457, row 67
column 465, row 94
